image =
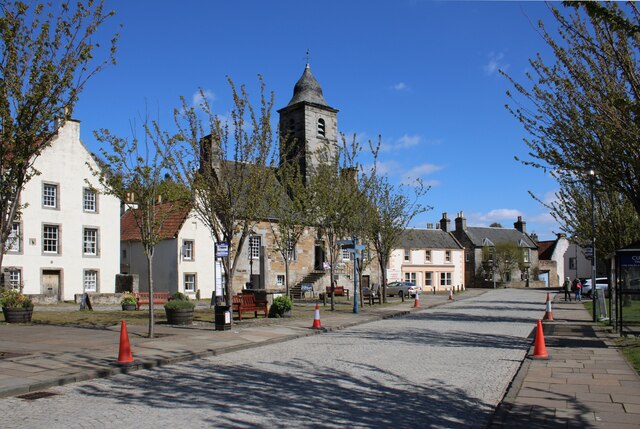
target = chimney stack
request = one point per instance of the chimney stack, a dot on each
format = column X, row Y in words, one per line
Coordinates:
column 445, row 223
column 461, row 222
column 520, row 225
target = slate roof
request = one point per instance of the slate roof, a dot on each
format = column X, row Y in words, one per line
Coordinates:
column 129, row 230
column 307, row 89
column 229, row 167
column 428, row 239
column 497, row 235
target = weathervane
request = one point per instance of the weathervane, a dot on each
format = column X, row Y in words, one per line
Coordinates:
column 308, row 56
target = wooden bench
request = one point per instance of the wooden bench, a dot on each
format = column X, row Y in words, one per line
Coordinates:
column 372, row 295
column 246, row 303
column 142, row 298
column 338, row 291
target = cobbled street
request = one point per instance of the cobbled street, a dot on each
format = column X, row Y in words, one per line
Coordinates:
column 440, row 368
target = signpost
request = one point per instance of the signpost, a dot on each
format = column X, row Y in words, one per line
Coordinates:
column 352, row 246
column 588, row 252
column 222, row 250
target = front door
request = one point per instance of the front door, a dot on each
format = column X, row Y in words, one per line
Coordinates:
column 319, row 256
column 365, row 281
column 51, row 283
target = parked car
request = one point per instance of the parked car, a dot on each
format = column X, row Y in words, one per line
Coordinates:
column 402, row 289
column 601, row 283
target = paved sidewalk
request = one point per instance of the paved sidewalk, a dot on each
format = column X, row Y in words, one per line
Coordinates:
column 37, row 357
column 585, row 383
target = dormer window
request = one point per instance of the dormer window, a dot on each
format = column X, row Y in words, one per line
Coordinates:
column 321, row 128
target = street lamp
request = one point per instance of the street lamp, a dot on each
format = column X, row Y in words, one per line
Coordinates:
column 592, row 173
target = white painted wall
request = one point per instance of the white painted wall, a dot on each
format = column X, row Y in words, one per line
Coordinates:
column 202, row 263
column 169, row 265
column 398, row 267
column 64, row 164
column 562, row 245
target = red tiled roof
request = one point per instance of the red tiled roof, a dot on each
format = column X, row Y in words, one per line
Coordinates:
column 545, row 249
column 174, row 218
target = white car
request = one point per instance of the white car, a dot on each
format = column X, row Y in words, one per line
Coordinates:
column 601, row 283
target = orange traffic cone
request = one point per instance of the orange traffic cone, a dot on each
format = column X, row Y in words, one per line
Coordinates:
column 540, row 350
column 548, row 314
column 416, row 303
column 451, row 295
column 316, row 318
column 125, row 356
column 548, row 298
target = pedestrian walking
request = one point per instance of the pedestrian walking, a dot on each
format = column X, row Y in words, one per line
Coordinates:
column 567, row 289
column 577, row 288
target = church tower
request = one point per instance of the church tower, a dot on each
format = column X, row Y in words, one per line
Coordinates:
column 308, row 126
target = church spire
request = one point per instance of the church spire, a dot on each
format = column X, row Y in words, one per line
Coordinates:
column 307, row 89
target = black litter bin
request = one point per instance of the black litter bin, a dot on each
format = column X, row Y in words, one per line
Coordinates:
column 222, row 317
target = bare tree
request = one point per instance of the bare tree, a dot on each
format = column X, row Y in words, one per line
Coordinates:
column 508, row 257
column 225, row 166
column 289, row 211
column 47, row 56
column 393, row 208
column 582, row 110
column 332, row 187
column 617, row 223
column 135, row 176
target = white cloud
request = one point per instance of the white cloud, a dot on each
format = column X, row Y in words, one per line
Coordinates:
column 432, row 183
column 503, row 216
column 388, row 167
column 408, row 141
column 199, row 96
column 409, row 178
column 404, row 142
column 494, row 63
column 542, row 218
column 400, row 86
column 424, row 169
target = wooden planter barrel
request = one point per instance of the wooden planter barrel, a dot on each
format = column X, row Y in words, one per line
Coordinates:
column 180, row 316
column 17, row 315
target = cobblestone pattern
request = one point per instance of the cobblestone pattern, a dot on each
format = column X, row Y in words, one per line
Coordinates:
column 444, row 367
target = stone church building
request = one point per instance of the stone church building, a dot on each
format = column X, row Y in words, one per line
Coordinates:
column 312, row 125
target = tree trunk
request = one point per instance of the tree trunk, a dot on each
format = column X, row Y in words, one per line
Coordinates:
column 286, row 276
column 151, row 312
column 332, row 289
column 383, row 269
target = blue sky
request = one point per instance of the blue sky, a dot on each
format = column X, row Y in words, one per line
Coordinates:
column 422, row 74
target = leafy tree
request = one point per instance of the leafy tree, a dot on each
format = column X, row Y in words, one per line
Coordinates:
column 47, row 56
column 332, row 186
column 582, row 111
column 289, row 210
column 393, row 208
column 617, row 223
column 496, row 225
column 228, row 194
column 136, row 177
column 506, row 257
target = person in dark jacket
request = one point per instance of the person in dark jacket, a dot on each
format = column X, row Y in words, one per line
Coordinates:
column 567, row 289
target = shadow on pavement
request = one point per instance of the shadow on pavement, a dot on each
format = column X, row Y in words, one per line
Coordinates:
column 461, row 317
column 301, row 395
column 510, row 415
column 444, row 339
